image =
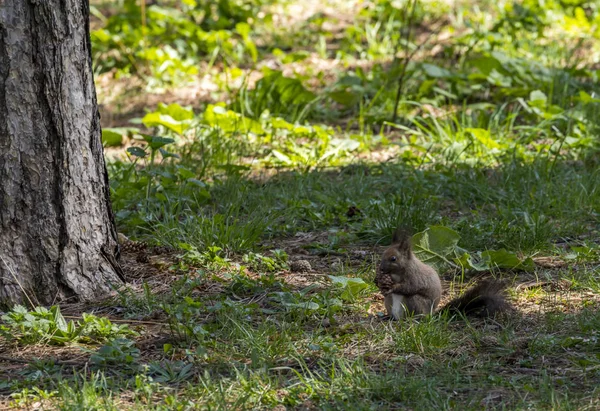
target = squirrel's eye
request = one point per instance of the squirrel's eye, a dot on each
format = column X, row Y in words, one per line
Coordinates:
column 393, row 258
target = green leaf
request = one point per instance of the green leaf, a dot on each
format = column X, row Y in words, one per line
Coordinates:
column 483, row 136
column 467, row 261
column 166, row 154
column 111, row 137
column 137, row 151
column 498, row 79
column 278, row 122
column 102, row 36
column 434, row 245
column 290, row 300
column 156, row 119
column 59, row 320
column 230, row 121
column 243, row 29
column 586, row 98
column 20, row 309
column 352, row 287
column 176, row 112
column 173, row 117
column 346, row 98
column 485, row 64
column 340, row 146
column 538, row 99
column 501, row 258
column 158, row 142
column 435, row 71
column 505, row 259
column 294, row 57
column 282, row 157
column 185, row 173
column 308, row 305
column 426, row 86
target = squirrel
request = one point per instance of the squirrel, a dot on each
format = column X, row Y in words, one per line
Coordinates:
column 411, row 287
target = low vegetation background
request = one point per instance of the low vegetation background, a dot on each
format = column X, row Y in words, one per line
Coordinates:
column 262, row 152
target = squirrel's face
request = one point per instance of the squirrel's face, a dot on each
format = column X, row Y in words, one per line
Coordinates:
column 396, row 258
column 393, row 262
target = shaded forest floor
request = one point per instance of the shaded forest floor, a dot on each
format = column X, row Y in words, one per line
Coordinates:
column 258, row 172
column 255, row 352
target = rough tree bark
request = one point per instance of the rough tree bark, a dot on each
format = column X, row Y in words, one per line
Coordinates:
column 57, row 232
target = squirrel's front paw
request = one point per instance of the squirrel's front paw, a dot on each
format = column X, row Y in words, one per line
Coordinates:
column 386, row 291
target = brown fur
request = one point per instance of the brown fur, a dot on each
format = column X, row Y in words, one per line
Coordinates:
column 485, row 299
column 417, row 282
column 418, row 288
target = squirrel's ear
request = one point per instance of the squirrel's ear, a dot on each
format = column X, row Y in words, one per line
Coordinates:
column 404, row 246
column 402, row 241
column 401, row 233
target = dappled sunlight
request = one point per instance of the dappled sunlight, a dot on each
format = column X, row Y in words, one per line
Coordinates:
column 261, row 155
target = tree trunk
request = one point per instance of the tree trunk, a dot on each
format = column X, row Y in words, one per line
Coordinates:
column 57, row 234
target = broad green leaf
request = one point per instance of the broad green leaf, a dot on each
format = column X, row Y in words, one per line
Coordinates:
column 158, row 142
column 467, row 261
column 352, row 286
column 19, row 309
column 435, row 71
column 59, row 320
column 347, row 144
column 290, row 300
column 176, row 112
column 147, row 137
column 173, row 117
column 501, row 258
column 502, row 57
column 112, row 137
column 157, row 119
column 230, row 121
column 505, row 259
column 435, row 245
column 287, row 91
column 485, row 64
column 308, row 305
column 137, row 151
column 445, row 93
column 185, row 173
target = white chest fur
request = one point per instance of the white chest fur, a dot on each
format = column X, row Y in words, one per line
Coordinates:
column 395, row 305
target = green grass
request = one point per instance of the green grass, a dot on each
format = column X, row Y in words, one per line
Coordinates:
column 495, row 146
column 519, row 206
column 431, row 365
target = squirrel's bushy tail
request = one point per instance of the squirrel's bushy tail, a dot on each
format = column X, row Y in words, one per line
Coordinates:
column 485, row 299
